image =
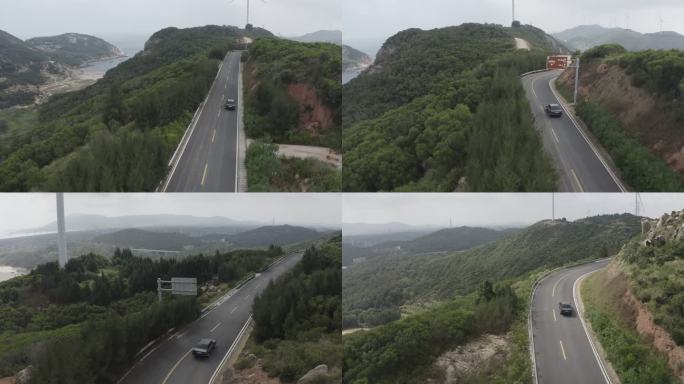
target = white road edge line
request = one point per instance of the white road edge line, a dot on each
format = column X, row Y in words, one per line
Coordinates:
column 230, row 350
column 554, row 315
column 237, row 128
column 149, row 353
column 591, row 145
column 584, row 325
column 192, row 130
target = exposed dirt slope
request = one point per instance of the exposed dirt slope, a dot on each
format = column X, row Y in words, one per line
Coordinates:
column 639, row 111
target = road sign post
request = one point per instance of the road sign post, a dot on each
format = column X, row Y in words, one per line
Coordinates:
column 183, row 286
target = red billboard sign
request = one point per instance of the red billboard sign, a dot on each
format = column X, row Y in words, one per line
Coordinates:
column 558, row 62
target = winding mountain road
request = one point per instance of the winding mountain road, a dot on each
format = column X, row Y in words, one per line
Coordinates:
column 171, row 362
column 208, row 158
column 562, row 350
column 580, row 165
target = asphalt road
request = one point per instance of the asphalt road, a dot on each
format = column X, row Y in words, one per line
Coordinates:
column 580, row 167
column 208, row 163
column 562, row 350
column 171, row 362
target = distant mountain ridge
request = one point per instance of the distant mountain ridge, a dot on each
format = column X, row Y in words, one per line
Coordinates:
column 584, row 37
column 78, row 222
column 175, row 241
column 323, row 36
column 443, row 240
column 75, row 49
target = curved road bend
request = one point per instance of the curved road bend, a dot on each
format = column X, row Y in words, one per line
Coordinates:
column 580, row 168
column 171, row 362
column 209, row 161
column 562, row 350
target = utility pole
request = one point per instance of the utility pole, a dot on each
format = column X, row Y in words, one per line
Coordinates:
column 553, row 206
column 577, row 69
column 247, row 12
column 61, row 229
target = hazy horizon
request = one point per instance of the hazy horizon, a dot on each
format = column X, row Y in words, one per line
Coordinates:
column 496, row 210
column 361, row 24
column 33, row 18
column 34, row 210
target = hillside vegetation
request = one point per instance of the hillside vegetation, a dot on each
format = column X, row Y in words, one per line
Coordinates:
column 655, row 266
column 119, row 134
column 279, row 76
column 298, row 318
column 443, row 110
column 378, row 287
column 86, row 322
column 405, row 351
column 632, row 102
column 293, row 96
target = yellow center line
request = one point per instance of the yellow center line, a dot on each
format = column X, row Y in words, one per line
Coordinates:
column 577, row 180
column 213, row 135
column 176, row 366
column 204, row 176
column 562, row 349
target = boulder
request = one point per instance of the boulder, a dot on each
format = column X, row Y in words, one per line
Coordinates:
column 314, row 374
column 645, row 226
column 24, row 376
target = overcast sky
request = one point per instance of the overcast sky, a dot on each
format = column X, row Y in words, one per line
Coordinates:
column 504, row 209
column 365, row 20
column 26, row 210
column 31, row 18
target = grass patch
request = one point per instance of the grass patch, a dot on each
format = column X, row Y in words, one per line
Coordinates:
column 633, row 358
column 266, row 172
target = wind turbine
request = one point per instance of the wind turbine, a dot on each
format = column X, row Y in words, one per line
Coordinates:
column 660, row 21
column 263, row 1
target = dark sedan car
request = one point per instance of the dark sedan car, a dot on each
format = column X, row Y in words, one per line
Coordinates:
column 554, row 110
column 565, row 308
column 230, row 105
column 204, row 347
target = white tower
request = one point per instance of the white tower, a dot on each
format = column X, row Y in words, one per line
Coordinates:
column 61, row 242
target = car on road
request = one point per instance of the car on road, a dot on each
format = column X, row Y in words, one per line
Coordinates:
column 204, row 347
column 554, row 110
column 230, row 105
column 565, row 308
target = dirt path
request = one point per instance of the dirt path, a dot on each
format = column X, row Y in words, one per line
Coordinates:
column 522, row 44
column 323, row 154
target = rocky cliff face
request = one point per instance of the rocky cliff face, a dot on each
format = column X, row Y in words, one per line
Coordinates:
column 354, row 60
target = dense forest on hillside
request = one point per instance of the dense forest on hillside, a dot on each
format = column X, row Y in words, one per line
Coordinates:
column 119, row 134
column 375, row 290
column 273, row 67
column 424, row 116
column 298, row 318
column 60, row 320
